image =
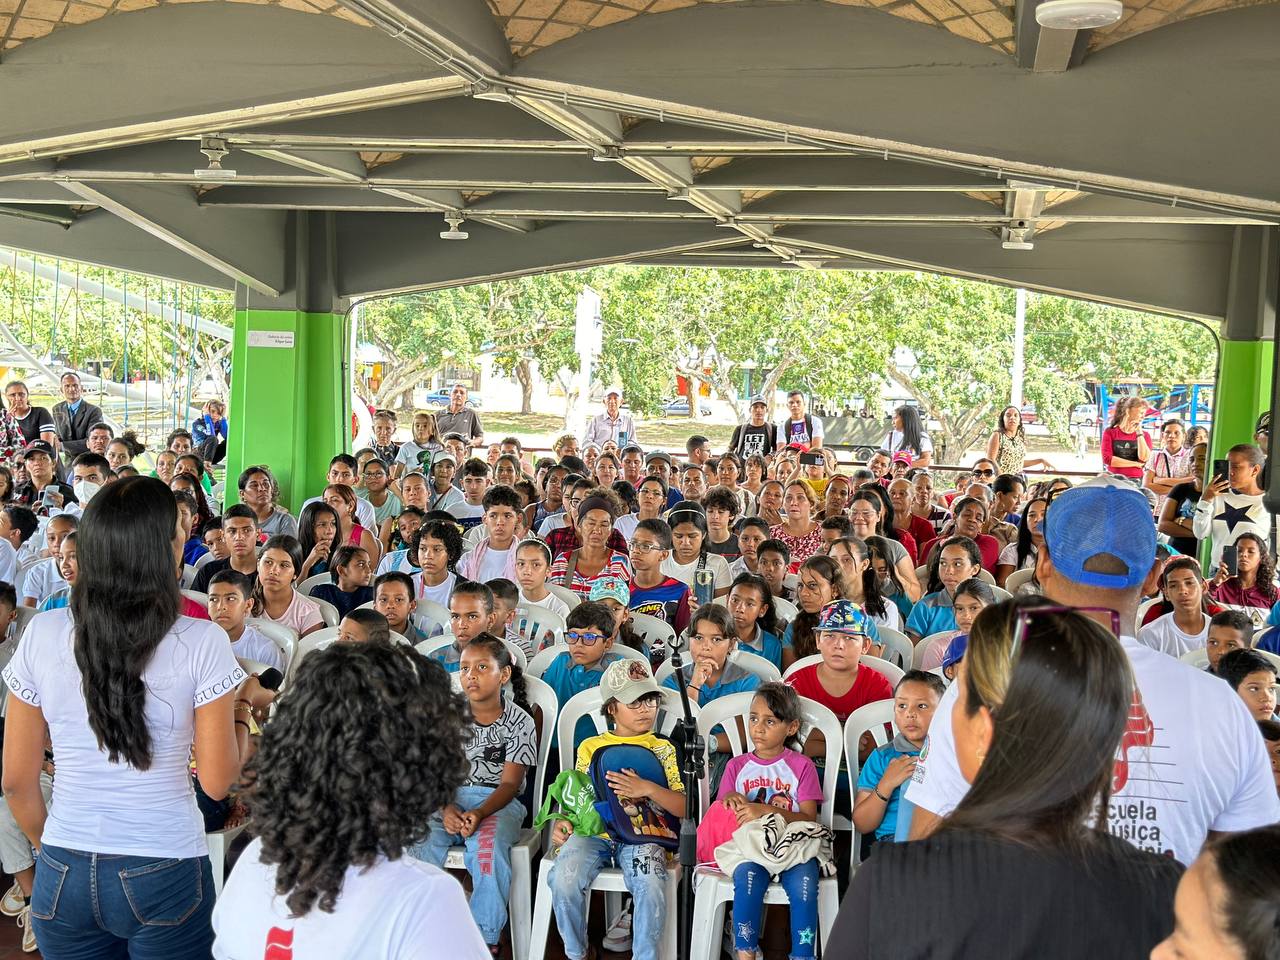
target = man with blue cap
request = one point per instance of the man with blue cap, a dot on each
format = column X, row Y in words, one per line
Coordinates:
column 1191, row 762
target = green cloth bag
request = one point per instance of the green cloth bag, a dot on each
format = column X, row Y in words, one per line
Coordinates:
column 571, row 798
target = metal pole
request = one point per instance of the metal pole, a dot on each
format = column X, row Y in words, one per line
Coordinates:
column 1019, row 342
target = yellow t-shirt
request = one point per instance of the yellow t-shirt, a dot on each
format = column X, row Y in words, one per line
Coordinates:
column 664, row 750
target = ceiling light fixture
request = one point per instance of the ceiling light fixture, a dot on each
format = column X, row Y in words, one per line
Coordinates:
column 214, row 148
column 1079, row 14
column 483, row 90
column 453, row 233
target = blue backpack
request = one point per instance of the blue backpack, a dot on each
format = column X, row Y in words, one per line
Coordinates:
column 628, row 820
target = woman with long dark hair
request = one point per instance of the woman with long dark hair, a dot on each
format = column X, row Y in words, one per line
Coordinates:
column 1024, row 866
column 1022, row 552
column 1253, row 583
column 908, row 436
column 1007, row 446
column 126, row 686
column 366, row 746
column 319, row 535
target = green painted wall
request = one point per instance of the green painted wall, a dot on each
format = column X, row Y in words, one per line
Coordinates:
column 289, row 394
column 1243, row 392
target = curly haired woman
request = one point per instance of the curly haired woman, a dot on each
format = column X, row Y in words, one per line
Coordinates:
column 364, row 748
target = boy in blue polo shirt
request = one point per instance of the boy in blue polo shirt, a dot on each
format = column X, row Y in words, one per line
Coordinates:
column 875, row 808
column 589, row 632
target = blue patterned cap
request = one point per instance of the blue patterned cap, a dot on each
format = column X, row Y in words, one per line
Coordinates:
column 955, row 650
column 844, row 616
column 610, row 588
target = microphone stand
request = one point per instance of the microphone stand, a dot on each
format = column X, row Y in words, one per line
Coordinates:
column 693, row 769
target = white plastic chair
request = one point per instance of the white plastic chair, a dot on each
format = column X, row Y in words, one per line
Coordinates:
column 198, row 597
column 1257, row 615
column 889, row 671
column 319, row 579
column 921, row 648
column 538, row 627
column 202, row 560
column 713, row 888
column 24, row 615
column 785, row 609
column 432, row 644
column 897, row 648
column 219, row 843
column 188, row 575
column 1200, row 658
column 587, row 704
column 542, row 659
column 565, row 594
column 750, row 662
column 283, row 637
column 328, row 612
column 986, row 576
column 654, row 631
column 430, row 617
column 1145, row 606
column 1018, row 579
column 868, row 718
column 520, row 905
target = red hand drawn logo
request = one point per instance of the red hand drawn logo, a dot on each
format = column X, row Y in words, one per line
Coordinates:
column 1139, row 731
column 279, row 944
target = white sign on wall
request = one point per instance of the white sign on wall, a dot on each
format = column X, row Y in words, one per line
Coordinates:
column 279, row 339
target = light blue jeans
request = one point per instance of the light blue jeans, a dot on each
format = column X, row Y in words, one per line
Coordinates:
column 487, row 855
column 644, row 871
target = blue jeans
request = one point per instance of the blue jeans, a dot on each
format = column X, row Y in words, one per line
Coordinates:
column 750, row 881
column 644, row 871
column 99, row 906
column 487, row 855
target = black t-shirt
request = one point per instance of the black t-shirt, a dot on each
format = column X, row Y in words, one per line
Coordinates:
column 977, row 896
column 729, row 549
column 31, row 424
column 1185, row 496
column 749, row 441
column 205, row 574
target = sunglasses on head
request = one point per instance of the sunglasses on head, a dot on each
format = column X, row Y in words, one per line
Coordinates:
column 1027, row 615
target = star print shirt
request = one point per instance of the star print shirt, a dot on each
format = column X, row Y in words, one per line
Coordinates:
column 1227, row 516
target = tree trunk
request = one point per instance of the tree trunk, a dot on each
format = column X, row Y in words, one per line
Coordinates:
column 524, row 374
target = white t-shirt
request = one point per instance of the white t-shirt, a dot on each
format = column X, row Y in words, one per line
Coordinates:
column 253, row 645
column 1163, row 634
column 493, row 564
column 626, row 525
column 553, row 522
column 41, row 580
column 466, row 511
column 1198, row 763
column 893, row 443
column 684, row 572
column 892, row 616
column 794, row 431
column 441, row 592
column 365, row 515
column 395, row 910
column 549, row 602
column 8, row 562
column 107, row 807
column 396, row 561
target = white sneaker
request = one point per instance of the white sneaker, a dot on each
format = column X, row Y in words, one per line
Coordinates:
column 617, row 939
column 14, row 901
column 28, row 933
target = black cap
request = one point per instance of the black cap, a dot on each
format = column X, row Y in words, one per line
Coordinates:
column 39, row 446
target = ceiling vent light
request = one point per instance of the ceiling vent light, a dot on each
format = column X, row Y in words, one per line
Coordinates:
column 214, row 148
column 483, row 90
column 1079, row 14
column 453, row 233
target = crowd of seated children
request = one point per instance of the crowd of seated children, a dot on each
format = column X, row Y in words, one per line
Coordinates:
column 774, row 777
column 631, row 699
column 485, row 814
column 880, row 780
column 351, row 571
column 862, row 586
column 956, row 561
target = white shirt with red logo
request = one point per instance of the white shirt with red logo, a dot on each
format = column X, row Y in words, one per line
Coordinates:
column 395, row 910
column 1191, row 760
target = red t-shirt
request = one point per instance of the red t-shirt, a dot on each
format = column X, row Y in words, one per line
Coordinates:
column 868, row 687
column 921, row 530
column 988, row 547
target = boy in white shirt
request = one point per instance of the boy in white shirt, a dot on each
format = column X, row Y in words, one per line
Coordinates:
column 1186, row 627
column 44, row 579
column 230, row 603
column 475, row 481
column 494, row 555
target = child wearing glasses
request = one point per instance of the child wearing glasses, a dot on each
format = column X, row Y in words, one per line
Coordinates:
column 589, row 635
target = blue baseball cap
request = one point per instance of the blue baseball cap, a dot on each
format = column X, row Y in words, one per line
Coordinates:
column 1105, row 517
column 610, row 588
column 955, row 650
column 844, row 616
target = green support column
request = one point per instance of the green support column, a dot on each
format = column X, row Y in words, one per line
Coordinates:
column 1243, row 392
column 289, row 399
column 289, row 387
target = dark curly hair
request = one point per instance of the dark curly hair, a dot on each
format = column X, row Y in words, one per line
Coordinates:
column 365, row 746
column 447, row 533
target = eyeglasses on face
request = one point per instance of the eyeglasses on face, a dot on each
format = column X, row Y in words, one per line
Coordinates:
column 983, row 472
column 574, row 638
